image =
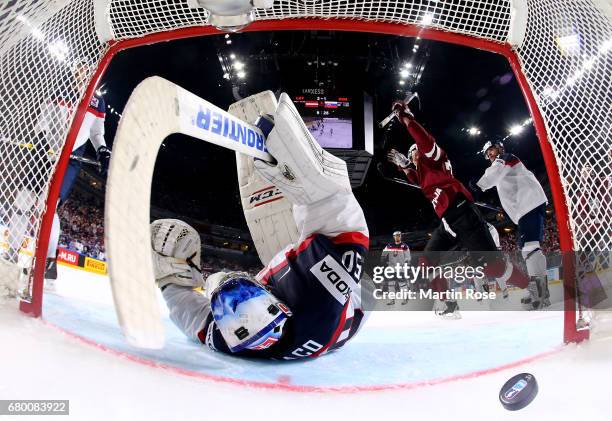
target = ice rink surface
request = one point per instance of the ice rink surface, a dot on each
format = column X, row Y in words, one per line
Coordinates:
column 405, row 365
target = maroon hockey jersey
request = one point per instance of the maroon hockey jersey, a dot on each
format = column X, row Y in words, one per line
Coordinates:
column 434, row 173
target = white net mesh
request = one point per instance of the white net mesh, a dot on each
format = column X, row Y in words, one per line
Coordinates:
column 483, row 18
column 565, row 56
column 39, row 44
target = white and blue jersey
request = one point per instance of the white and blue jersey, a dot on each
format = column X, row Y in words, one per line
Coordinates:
column 318, row 279
column 394, row 254
column 92, row 127
column 519, row 190
column 319, row 282
column 53, row 123
column 55, row 118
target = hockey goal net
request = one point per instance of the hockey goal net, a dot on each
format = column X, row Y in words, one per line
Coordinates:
column 560, row 53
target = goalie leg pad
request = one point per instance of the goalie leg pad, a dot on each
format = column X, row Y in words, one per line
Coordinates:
column 23, row 207
column 534, row 258
column 267, row 211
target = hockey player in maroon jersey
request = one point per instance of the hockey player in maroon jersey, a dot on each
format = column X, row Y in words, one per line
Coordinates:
column 462, row 225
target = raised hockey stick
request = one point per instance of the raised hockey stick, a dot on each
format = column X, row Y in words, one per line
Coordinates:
column 409, row 98
column 407, row 184
column 155, row 109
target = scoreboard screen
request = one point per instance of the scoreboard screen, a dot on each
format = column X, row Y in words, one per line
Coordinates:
column 328, row 118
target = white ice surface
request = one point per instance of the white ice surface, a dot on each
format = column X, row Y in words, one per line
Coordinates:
column 39, row 362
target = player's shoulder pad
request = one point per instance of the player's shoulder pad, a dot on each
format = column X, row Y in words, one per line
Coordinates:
column 508, row 159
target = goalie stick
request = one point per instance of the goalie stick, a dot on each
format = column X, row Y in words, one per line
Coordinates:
column 156, row 109
column 407, row 184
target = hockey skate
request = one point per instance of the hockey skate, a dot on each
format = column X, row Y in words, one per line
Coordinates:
column 537, row 294
column 546, row 300
column 450, row 311
column 50, row 274
column 581, row 324
column 505, row 294
column 24, row 282
column 51, row 269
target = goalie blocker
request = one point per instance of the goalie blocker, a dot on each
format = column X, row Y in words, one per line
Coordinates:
column 306, row 301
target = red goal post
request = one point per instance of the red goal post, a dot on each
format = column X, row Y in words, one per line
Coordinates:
column 526, row 32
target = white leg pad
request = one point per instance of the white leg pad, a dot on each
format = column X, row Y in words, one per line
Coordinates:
column 268, row 213
column 534, row 258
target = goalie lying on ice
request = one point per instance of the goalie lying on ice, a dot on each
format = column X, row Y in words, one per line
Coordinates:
column 306, row 301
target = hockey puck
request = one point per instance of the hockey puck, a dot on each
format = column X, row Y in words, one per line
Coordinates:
column 518, row 392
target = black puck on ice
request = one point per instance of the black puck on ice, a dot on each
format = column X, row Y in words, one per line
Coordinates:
column 518, row 392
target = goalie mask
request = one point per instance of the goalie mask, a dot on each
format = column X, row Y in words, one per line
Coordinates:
column 247, row 314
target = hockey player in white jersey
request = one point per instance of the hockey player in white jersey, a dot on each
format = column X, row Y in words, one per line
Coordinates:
column 395, row 253
column 306, row 301
column 524, row 200
column 41, row 154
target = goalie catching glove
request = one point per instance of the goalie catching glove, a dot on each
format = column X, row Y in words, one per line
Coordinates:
column 176, row 253
column 304, row 172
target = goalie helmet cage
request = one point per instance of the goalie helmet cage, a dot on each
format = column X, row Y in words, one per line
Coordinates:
column 559, row 53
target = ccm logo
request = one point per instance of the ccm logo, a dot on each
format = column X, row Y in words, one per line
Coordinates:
column 334, row 278
column 264, row 195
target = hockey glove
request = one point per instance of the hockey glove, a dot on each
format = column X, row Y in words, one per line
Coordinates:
column 176, row 253
column 398, row 158
column 170, row 270
column 104, row 155
column 400, row 108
